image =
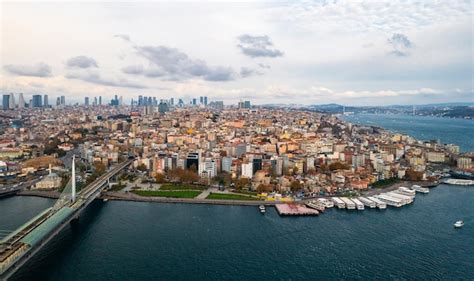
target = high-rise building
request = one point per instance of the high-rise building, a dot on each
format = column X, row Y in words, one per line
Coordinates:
column 172, row 101
column 58, row 101
column 100, row 100
column 95, row 101
column 201, row 100
column 247, row 104
column 120, row 101
column 45, row 101
column 11, row 104
column 21, row 101
column 205, row 101
column 63, row 100
column 86, row 101
column 194, row 101
column 163, row 107
column 6, row 102
column 37, row 101
column 192, row 161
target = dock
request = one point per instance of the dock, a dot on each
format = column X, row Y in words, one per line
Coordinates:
column 295, row 210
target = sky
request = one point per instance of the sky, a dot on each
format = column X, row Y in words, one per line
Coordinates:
column 308, row 52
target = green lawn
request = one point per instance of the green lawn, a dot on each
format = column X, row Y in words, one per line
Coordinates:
column 168, row 194
column 224, row 196
column 171, row 186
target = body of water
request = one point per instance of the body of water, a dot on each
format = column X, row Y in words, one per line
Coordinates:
column 447, row 130
column 151, row 241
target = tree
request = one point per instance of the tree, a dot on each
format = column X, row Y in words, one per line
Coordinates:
column 295, row 185
column 160, row 178
column 241, row 183
column 338, row 166
column 99, row 167
column 141, row 167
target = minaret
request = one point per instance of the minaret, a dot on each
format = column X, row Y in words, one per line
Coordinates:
column 73, row 178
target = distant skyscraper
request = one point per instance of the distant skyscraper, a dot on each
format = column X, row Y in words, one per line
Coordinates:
column 194, row 101
column 205, row 101
column 6, row 102
column 247, row 104
column 63, row 100
column 21, row 101
column 201, row 100
column 120, row 101
column 11, row 105
column 58, row 101
column 86, row 101
column 100, row 100
column 37, row 101
column 95, row 101
column 172, row 101
column 45, row 103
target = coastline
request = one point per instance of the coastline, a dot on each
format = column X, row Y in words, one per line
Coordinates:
column 121, row 196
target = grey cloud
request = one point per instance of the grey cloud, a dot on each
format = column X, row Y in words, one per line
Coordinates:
column 247, row 72
column 262, row 65
column 258, row 46
column 400, row 44
column 133, row 69
column 125, row 37
column 39, row 70
column 95, row 78
column 176, row 65
column 81, row 62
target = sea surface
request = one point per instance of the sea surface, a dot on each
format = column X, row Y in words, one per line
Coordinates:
column 118, row 240
column 447, row 130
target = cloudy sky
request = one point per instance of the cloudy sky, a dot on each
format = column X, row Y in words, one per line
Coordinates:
column 316, row 52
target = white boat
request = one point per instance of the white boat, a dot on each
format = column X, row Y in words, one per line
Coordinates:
column 389, row 200
column 459, row 182
column 380, row 204
column 105, row 200
column 317, row 205
column 338, row 202
column 458, row 224
column 262, row 208
column 420, row 189
column 405, row 198
column 367, row 202
column 350, row 205
column 327, row 203
column 359, row 205
column 406, row 191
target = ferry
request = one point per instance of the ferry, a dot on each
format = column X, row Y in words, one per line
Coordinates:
column 391, row 201
column 327, row 203
column 261, row 208
column 405, row 199
column 406, row 191
column 367, row 202
column 338, row 202
column 420, row 189
column 359, row 205
column 460, row 174
column 315, row 205
column 458, row 224
column 350, row 205
column 380, row 204
column 459, row 182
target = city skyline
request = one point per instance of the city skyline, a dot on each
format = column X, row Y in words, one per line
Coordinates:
column 352, row 54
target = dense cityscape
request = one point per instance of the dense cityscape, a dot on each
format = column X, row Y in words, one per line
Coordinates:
column 237, row 147
column 236, row 140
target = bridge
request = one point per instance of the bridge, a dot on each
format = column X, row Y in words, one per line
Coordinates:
column 23, row 243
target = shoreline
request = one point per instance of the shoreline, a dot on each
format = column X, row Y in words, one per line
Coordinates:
column 121, row 196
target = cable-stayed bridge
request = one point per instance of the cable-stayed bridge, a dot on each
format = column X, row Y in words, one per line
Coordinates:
column 20, row 245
